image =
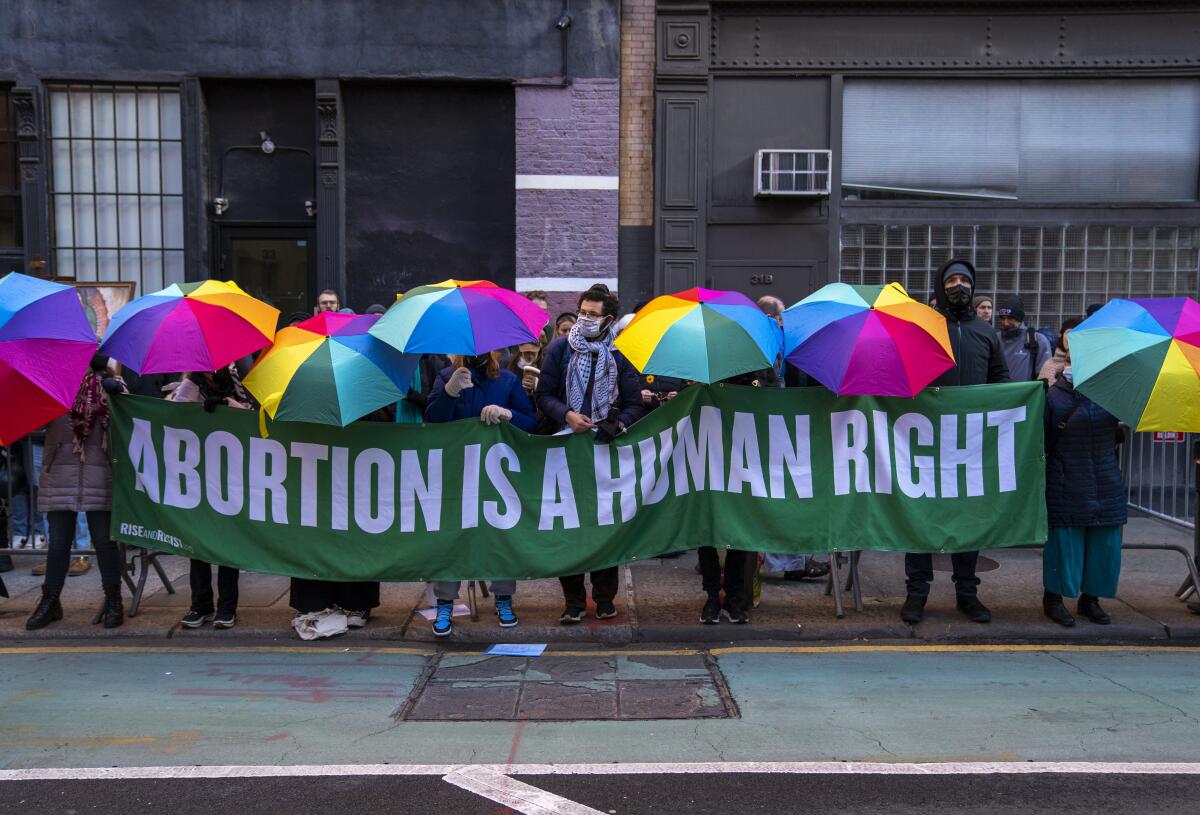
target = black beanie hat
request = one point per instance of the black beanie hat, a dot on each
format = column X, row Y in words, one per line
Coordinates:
column 1013, row 308
column 953, row 267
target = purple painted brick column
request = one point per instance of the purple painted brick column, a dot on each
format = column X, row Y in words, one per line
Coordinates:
column 569, row 138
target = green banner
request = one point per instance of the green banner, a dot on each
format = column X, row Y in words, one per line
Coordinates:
column 761, row 469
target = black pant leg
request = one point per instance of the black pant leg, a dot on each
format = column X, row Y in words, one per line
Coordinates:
column 710, row 569
column 735, row 576
column 307, row 596
column 58, row 551
column 965, row 581
column 108, row 552
column 200, row 579
column 358, row 595
column 574, row 593
column 227, row 589
column 605, row 584
column 918, row 571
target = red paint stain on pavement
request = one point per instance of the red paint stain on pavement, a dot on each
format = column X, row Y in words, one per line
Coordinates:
column 512, row 753
column 277, row 736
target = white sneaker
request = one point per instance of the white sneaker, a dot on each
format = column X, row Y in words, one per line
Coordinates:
column 18, row 542
column 357, row 619
column 39, row 541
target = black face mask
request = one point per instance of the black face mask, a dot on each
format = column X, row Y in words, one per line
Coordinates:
column 480, row 362
column 1010, row 333
column 958, row 296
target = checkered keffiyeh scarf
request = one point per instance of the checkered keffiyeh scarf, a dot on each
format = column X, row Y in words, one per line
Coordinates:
column 579, row 368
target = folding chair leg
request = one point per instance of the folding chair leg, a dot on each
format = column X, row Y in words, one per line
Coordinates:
column 854, row 579
column 162, row 575
column 835, row 585
column 472, row 601
column 136, row 601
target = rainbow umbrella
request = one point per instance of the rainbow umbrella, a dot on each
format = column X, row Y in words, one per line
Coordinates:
column 189, row 327
column 329, row 370
column 46, row 345
column 1138, row 359
column 867, row 340
column 459, row 317
column 700, row 334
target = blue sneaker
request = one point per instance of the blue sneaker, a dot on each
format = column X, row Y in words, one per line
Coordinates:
column 442, row 626
column 504, row 610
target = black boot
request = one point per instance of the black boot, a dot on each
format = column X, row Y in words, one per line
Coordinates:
column 976, row 611
column 112, row 613
column 913, row 610
column 1089, row 606
column 1052, row 606
column 48, row 610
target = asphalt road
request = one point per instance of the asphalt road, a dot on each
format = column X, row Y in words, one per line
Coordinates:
column 741, row 794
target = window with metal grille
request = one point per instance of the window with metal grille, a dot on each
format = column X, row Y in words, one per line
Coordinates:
column 1058, row 271
column 117, row 183
column 10, row 177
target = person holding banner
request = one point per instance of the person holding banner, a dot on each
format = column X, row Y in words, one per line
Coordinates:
column 979, row 360
column 477, row 387
column 1085, row 502
column 585, row 385
column 223, row 387
column 76, row 476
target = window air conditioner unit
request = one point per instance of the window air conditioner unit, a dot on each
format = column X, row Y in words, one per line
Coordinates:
column 792, row 173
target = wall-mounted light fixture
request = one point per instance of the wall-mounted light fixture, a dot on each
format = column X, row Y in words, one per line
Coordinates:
column 310, row 209
column 268, row 146
column 220, row 205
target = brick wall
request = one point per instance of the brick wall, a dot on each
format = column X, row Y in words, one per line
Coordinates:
column 567, row 237
column 637, row 112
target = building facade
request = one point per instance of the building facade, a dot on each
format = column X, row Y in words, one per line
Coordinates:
column 298, row 145
column 1055, row 145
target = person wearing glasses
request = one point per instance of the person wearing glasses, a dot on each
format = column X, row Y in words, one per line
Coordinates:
column 587, row 385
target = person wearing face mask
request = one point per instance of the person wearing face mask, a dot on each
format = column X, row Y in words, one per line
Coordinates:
column 477, row 388
column 1052, row 369
column 1085, row 502
column 979, row 360
column 1025, row 350
column 585, row 385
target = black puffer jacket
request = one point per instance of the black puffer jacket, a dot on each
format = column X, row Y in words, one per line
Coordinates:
column 976, row 346
column 1084, row 486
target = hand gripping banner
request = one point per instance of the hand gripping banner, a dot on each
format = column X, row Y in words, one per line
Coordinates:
column 760, row 469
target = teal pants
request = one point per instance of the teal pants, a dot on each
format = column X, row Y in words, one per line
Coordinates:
column 1086, row 559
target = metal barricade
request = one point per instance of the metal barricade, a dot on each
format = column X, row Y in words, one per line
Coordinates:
column 1161, row 476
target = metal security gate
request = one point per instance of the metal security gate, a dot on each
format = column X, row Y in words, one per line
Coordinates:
column 1160, row 473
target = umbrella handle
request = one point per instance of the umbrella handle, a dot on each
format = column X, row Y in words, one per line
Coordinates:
column 269, row 405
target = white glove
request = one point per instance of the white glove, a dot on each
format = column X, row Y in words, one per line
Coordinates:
column 494, row 414
column 459, row 381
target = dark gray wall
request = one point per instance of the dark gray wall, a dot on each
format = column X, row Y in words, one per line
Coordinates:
column 115, row 39
column 429, row 186
column 734, row 77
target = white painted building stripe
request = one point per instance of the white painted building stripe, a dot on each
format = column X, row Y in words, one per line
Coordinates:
column 568, row 182
column 517, row 795
column 695, row 768
column 563, row 283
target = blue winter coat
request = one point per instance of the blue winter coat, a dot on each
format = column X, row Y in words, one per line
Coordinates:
column 505, row 390
column 1084, row 486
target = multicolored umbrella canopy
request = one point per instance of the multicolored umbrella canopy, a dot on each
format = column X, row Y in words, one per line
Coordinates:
column 701, row 334
column 867, row 340
column 329, row 370
column 460, row 317
column 189, row 327
column 46, row 345
column 1138, row 359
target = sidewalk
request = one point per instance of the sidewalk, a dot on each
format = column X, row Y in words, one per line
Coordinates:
column 660, row 602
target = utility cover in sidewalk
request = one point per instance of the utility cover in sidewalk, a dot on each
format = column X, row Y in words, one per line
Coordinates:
column 559, row 688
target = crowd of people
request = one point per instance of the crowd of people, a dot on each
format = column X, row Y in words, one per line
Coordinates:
column 574, row 379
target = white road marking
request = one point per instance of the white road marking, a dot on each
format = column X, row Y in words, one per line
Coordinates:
column 524, row 798
column 568, row 182
column 699, row 768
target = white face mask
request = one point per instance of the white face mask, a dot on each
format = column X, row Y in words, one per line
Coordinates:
column 589, row 327
column 1068, row 374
